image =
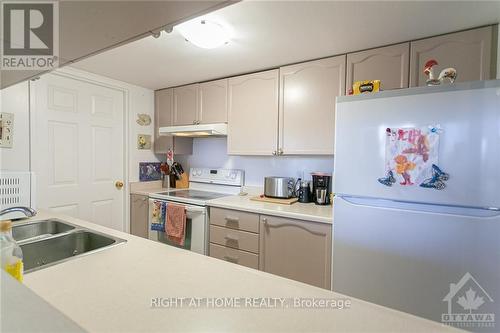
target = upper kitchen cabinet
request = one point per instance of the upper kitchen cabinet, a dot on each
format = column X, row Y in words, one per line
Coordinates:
column 204, row 103
column 253, row 114
column 213, row 102
column 163, row 117
column 185, row 105
column 164, row 105
column 469, row 52
column 307, row 106
column 388, row 64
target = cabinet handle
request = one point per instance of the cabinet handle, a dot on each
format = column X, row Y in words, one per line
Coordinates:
column 264, row 220
column 274, row 152
column 231, row 238
column 232, row 219
column 280, row 151
column 231, row 258
column 194, row 122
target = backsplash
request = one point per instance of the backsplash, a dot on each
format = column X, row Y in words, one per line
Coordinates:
column 212, row 153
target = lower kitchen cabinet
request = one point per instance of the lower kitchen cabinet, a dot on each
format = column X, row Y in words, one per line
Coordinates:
column 234, row 219
column 244, row 258
column 299, row 250
column 240, row 240
column 234, row 236
column 139, row 215
column 295, row 249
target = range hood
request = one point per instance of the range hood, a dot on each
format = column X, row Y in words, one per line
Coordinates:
column 195, row 131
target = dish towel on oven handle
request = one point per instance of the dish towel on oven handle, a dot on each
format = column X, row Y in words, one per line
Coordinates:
column 176, row 224
column 158, row 216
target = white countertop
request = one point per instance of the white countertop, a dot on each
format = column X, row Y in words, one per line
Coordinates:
column 308, row 212
column 23, row 311
column 111, row 291
column 302, row 211
column 146, row 188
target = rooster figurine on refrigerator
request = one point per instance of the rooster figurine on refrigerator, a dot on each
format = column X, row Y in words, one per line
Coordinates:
column 449, row 73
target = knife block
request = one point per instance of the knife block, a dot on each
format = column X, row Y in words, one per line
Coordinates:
column 183, row 182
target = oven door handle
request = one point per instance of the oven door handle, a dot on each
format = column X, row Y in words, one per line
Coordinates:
column 193, row 210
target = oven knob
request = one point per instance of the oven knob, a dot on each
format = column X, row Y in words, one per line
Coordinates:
column 193, row 172
column 233, row 175
column 198, row 173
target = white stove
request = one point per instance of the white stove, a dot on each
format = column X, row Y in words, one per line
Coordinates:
column 204, row 185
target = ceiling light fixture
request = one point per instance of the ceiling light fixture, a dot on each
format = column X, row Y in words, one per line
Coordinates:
column 203, row 33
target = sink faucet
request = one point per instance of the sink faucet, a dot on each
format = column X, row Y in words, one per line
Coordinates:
column 29, row 212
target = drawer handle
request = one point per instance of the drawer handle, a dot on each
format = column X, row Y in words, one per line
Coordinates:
column 231, row 238
column 231, row 258
column 232, row 219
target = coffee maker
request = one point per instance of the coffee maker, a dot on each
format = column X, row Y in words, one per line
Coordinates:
column 321, row 188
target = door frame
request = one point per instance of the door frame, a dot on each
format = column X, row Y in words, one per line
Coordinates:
column 94, row 79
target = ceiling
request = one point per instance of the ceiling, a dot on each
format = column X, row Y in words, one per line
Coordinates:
column 267, row 34
column 89, row 27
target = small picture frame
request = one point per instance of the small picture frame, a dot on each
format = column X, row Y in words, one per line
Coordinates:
column 143, row 141
column 149, row 171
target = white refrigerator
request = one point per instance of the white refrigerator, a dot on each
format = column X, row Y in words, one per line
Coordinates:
column 417, row 208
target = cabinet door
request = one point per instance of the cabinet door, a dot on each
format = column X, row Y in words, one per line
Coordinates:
column 213, row 102
column 469, row 52
column 388, row 64
column 163, row 117
column 164, row 104
column 295, row 249
column 139, row 215
column 253, row 114
column 186, row 104
column 307, row 108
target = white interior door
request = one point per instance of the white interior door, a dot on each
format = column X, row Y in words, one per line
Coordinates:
column 77, row 148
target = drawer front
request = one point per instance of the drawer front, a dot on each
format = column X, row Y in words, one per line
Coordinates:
column 234, row 219
column 241, row 240
column 235, row 256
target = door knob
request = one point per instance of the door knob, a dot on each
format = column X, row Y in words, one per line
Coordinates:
column 119, row 184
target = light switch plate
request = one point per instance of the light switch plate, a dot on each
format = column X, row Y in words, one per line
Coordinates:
column 6, row 129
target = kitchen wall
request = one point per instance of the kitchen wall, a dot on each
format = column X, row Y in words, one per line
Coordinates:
column 15, row 99
column 141, row 101
column 212, row 153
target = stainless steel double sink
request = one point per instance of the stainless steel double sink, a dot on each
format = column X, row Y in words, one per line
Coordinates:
column 50, row 242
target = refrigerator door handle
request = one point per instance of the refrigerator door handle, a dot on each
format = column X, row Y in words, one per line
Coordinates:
column 486, row 212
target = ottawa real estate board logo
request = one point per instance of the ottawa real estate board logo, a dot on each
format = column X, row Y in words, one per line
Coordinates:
column 469, row 305
column 30, row 35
